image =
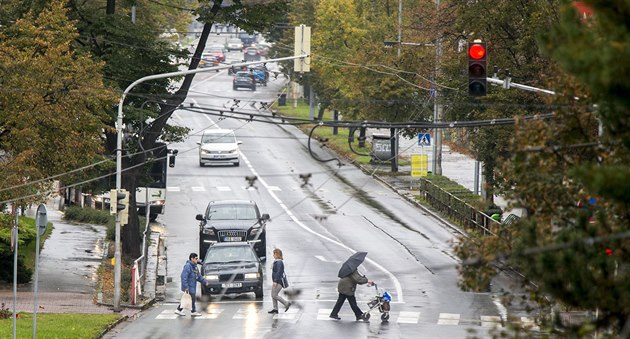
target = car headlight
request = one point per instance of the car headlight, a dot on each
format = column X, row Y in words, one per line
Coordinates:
column 207, row 231
column 158, row 202
column 233, row 151
column 251, row 275
column 210, row 277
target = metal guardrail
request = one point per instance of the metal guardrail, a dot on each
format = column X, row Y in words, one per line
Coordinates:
column 456, row 209
column 138, row 271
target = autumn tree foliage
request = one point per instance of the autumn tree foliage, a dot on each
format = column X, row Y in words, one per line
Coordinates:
column 571, row 174
column 53, row 103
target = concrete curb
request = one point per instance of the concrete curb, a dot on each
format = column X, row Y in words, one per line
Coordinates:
column 111, row 326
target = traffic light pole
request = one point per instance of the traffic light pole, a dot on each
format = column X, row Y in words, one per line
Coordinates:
column 507, row 84
column 437, row 109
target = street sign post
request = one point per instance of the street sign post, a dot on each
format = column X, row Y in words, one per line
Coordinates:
column 41, row 221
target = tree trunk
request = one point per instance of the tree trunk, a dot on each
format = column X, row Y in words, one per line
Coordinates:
column 131, row 238
column 111, row 7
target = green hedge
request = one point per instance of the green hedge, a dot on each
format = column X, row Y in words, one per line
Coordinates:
column 26, row 247
column 94, row 216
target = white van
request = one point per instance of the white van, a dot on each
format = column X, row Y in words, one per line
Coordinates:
column 218, row 146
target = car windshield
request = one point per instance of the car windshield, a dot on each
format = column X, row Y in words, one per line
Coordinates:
column 230, row 254
column 227, row 138
column 232, row 212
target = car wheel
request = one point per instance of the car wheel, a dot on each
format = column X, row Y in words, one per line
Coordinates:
column 236, row 164
column 234, row 88
column 152, row 217
column 200, row 164
column 259, row 292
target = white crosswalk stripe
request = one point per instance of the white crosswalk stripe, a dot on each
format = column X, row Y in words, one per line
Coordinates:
column 448, row 319
column 408, row 317
column 172, row 189
column 404, row 318
column 198, row 189
column 224, row 188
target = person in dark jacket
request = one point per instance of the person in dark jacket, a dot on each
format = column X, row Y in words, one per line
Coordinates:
column 346, row 288
column 190, row 276
column 277, row 276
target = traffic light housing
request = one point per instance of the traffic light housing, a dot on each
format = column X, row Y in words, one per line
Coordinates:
column 477, row 85
column 119, row 204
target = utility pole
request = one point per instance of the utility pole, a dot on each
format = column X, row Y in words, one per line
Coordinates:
column 399, row 25
column 437, row 107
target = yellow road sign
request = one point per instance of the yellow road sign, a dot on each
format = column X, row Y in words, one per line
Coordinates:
column 419, row 165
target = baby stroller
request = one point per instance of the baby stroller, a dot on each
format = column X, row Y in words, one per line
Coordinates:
column 380, row 301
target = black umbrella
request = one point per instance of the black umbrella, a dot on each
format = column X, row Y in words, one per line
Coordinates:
column 351, row 264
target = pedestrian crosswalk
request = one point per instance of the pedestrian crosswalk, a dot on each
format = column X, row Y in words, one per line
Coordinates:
column 224, row 188
column 401, row 317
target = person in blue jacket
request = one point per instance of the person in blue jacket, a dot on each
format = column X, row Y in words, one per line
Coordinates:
column 277, row 276
column 190, row 276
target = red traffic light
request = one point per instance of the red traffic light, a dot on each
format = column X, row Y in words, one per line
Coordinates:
column 609, row 252
column 477, row 51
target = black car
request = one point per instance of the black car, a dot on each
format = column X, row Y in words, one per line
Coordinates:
column 232, row 267
column 233, row 221
column 243, row 79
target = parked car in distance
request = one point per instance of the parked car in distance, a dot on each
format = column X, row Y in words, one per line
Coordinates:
column 234, row 45
column 232, row 267
column 216, row 51
column 233, row 221
column 218, row 146
column 247, row 39
column 208, row 60
column 243, row 79
column 251, row 54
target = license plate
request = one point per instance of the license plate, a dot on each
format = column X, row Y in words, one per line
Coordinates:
column 232, row 239
column 232, row 285
column 219, row 156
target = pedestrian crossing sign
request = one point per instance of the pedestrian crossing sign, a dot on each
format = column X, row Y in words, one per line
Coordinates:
column 424, row 139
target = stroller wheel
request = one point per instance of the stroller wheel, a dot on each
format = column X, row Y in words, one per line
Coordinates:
column 385, row 317
column 366, row 316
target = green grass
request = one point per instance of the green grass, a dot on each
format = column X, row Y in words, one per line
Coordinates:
column 337, row 142
column 58, row 325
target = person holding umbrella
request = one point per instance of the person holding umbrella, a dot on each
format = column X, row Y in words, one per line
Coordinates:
column 347, row 285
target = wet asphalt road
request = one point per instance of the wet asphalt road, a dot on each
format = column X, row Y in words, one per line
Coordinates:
column 318, row 225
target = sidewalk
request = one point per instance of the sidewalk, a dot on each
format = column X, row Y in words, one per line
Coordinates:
column 455, row 166
column 68, row 264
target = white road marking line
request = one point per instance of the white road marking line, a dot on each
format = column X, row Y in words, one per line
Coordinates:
column 198, row 189
column 167, row 314
column 173, row 189
column 321, row 258
column 448, row 319
column 244, row 313
column 224, row 188
column 408, row 317
column 289, row 213
column 274, row 188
